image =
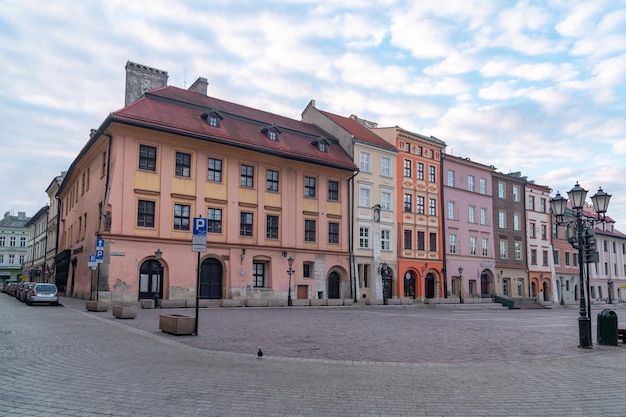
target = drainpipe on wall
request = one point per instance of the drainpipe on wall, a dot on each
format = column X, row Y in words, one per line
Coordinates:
column 443, row 228
column 350, row 232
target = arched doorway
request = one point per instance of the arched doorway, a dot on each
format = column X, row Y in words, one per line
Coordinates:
column 334, row 285
column 150, row 280
column 211, row 279
column 429, row 285
column 533, row 289
column 485, row 289
column 546, row 288
column 409, row 284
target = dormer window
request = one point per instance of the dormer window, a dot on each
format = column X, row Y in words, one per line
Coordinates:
column 321, row 144
column 213, row 118
column 271, row 132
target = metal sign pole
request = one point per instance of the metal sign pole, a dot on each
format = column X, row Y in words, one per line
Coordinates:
column 197, row 295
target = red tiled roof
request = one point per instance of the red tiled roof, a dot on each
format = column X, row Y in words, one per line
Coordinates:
column 180, row 111
column 358, row 130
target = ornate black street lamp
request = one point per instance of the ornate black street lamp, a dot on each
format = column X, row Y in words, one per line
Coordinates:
column 584, row 241
column 562, row 302
column 461, row 284
column 290, row 271
column 159, row 267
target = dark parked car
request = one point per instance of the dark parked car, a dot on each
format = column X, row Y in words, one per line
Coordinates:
column 23, row 290
column 43, row 293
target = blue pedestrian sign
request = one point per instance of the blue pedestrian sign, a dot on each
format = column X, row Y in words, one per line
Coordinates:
column 99, row 244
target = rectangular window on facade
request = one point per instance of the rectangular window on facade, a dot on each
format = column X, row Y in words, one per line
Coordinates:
column 567, row 262
column 385, row 239
column 408, row 203
column 271, row 180
column 385, row 200
column 309, row 187
column 450, row 178
column 181, row 216
column 556, row 254
column 452, row 244
column 147, row 157
column 420, row 171
column 503, row 249
column 364, row 197
column 516, row 222
column 483, row 216
column 215, row 170
column 364, row 237
column 333, row 191
column 183, row 165
column 214, row 220
column 271, row 227
column 432, row 177
column 532, row 233
column 306, row 270
column 544, row 257
column 421, row 205
column 451, row 210
column 544, row 232
column 247, row 176
column 432, row 207
column 258, row 273
column 473, row 246
column 542, row 203
column 533, row 256
column 309, row 230
column 501, row 189
column 145, row 213
column 483, row 186
column 501, row 220
column 246, row 224
column 432, row 242
column 408, row 239
column 333, row 232
column 385, row 166
column 421, row 241
column 485, row 247
column 365, row 162
column 471, row 214
column 518, row 251
column 531, row 202
column 470, row 183
column 515, row 193
column 407, row 168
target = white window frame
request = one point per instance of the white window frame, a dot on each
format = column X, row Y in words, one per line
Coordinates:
column 364, row 161
column 385, row 166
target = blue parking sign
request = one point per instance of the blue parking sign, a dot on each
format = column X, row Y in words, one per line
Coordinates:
column 199, row 226
column 99, row 256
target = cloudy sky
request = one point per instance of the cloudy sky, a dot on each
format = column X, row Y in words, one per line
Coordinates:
column 536, row 86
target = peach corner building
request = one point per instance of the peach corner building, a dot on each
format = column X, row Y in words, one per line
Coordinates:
column 271, row 188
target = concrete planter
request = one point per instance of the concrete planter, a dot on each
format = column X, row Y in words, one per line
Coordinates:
column 301, row 303
column 335, row 302
column 177, row 324
column 124, row 312
column 315, row 302
column 96, row 306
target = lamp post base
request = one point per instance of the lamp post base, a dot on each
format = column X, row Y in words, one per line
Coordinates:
column 584, row 332
column 289, row 302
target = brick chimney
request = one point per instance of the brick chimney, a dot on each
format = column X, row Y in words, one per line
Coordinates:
column 200, row 86
column 139, row 79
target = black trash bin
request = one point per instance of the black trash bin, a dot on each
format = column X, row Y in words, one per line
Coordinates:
column 607, row 327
